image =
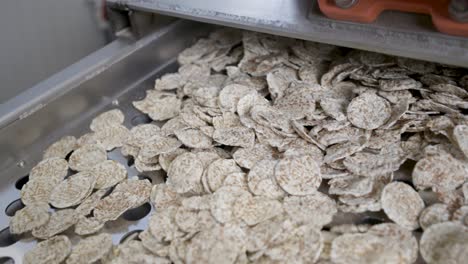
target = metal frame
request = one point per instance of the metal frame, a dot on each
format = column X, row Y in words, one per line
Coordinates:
column 393, row 33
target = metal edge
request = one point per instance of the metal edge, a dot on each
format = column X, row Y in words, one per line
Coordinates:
column 39, row 95
column 36, row 97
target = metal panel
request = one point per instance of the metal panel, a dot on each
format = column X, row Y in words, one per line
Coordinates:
column 394, row 33
column 40, row 38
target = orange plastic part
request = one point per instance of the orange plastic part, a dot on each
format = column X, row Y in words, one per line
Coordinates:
column 366, row 11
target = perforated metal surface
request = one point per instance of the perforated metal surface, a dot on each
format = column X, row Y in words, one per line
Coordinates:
column 135, row 219
column 122, row 72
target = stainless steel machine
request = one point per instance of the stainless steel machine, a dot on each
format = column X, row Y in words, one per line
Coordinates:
column 150, row 33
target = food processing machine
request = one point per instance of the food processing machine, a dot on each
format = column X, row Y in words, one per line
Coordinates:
column 150, row 34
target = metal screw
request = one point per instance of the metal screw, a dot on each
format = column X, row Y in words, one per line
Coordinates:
column 345, row 4
column 115, row 102
column 21, row 164
column 458, row 10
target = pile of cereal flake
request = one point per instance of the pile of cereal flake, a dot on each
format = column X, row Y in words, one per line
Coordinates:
column 276, row 150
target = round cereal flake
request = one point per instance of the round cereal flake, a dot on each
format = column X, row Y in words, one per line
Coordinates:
column 112, row 207
column 73, row 190
column 247, row 157
column 440, row 171
column 400, row 241
column 90, row 249
column 218, row 170
column 108, row 174
column 30, row 217
column 402, row 204
column 53, row 250
column 109, row 118
column 261, row 179
column 317, row 209
column 58, row 223
column 185, row 173
column 235, row 136
column 163, row 196
column 38, row 191
column 224, row 200
column 86, row 157
column 88, row 225
column 55, row 168
column 231, row 94
column 88, row 204
column 257, row 209
column 112, row 137
column 298, row 175
column 445, row 243
column 368, row 111
column 193, row 138
column 434, row 214
column 61, row 148
column 141, row 133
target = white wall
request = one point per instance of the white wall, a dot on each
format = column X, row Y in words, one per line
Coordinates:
column 40, row 37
